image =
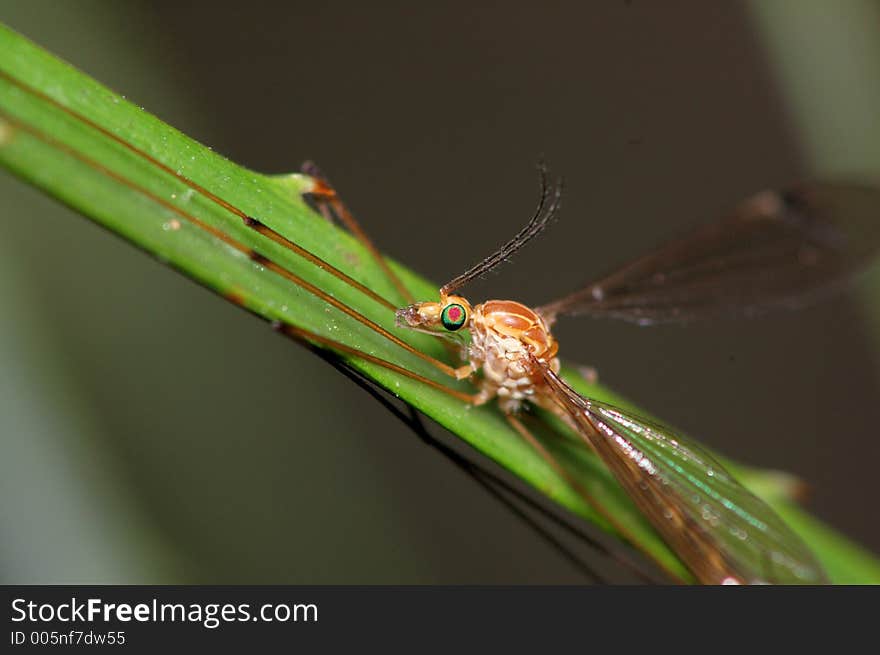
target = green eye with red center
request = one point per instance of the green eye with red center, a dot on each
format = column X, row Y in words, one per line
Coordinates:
column 453, row 317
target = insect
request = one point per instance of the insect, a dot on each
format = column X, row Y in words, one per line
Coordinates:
column 777, row 249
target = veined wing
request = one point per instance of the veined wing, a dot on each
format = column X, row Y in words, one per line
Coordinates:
column 721, row 531
column 777, row 249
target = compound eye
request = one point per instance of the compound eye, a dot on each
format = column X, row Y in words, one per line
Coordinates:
column 453, row 316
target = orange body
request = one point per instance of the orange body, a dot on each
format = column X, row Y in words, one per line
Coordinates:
column 504, row 334
column 506, row 339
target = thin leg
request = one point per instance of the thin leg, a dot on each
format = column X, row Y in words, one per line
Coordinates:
column 220, row 235
column 305, row 335
column 329, row 204
column 312, row 340
column 249, row 221
column 554, row 463
column 326, row 200
column 547, row 456
column 498, row 487
column 261, row 229
column 331, row 207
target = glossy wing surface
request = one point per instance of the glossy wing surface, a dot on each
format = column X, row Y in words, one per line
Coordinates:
column 721, row 531
column 777, row 249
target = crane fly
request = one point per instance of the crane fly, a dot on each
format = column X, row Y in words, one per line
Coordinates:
column 776, row 249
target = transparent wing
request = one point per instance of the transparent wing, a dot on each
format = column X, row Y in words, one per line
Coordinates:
column 777, row 249
column 720, row 530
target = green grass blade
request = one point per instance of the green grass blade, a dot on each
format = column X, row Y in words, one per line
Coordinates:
column 275, row 201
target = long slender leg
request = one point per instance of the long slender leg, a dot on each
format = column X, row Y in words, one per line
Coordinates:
column 315, row 341
column 507, row 493
column 305, row 335
column 331, row 206
column 265, row 261
column 264, row 231
column 249, row 221
column 555, row 464
column 496, row 488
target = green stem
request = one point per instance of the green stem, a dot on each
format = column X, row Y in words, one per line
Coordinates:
column 116, row 187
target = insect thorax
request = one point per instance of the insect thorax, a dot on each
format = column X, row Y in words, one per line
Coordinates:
column 504, row 337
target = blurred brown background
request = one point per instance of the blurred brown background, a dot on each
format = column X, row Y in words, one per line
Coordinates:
column 121, row 464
